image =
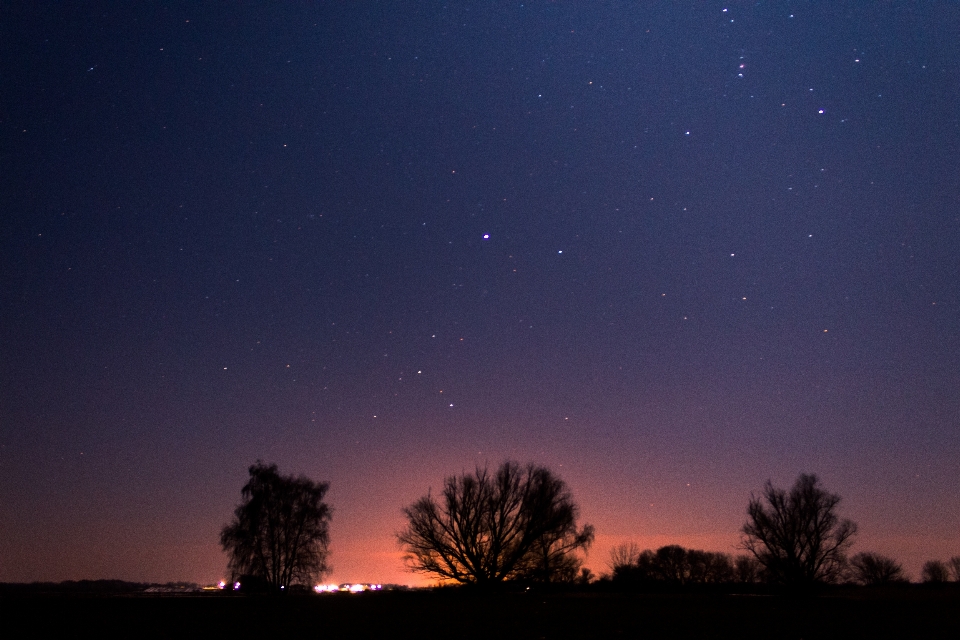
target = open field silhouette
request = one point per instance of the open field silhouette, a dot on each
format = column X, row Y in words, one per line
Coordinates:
column 842, row 613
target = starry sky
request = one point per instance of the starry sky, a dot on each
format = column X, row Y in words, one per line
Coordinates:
column 669, row 250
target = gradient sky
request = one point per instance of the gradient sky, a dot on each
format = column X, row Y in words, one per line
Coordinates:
column 669, row 250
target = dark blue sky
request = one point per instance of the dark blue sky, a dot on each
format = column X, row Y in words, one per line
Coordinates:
column 670, row 250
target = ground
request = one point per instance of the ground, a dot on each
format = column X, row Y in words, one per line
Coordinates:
column 846, row 614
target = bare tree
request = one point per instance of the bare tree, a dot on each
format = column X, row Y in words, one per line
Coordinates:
column 552, row 557
column 631, row 566
column 279, row 534
column 935, row 571
column 954, row 565
column 874, row 569
column 797, row 536
column 488, row 528
column 623, row 555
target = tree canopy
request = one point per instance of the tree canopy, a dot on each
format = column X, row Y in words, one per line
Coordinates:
column 517, row 523
column 279, row 533
column 935, row 571
column 797, row 536
column 675, row 566
column 874, row 569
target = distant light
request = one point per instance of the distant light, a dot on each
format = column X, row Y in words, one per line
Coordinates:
column 236, row 586
column 486, row 236
column 820, row 111
column 347, row 587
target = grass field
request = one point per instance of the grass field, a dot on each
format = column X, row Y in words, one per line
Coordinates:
column 860, row 613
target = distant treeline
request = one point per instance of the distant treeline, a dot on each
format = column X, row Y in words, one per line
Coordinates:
column 672, row 567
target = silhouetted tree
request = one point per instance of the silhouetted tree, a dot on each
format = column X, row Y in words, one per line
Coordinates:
column 954, row 565
column 279, row 534
column 709, row 567
column 551, row 560
column 623, row 556
column 874, row 569
column 519, row 523
column 671, row 565
column 797, row 536
column 631, row 566
column 747, row 570
column 935, row 571
column 647, row 569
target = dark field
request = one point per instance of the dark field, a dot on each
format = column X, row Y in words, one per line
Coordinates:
column 906, row 613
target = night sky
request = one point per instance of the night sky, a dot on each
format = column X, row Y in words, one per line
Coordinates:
column 670, row 250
